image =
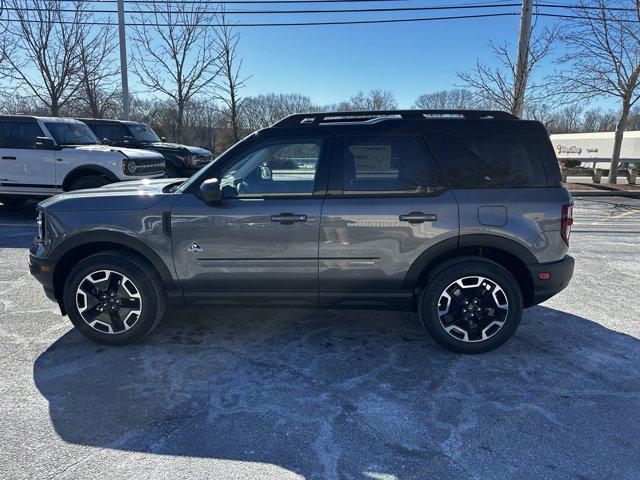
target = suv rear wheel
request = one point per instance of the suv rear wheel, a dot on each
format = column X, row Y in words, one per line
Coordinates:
column 114, row 298
column 471, row 305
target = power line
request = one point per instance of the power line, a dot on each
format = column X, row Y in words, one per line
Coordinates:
column 283, row 12
column 349, row 10
column 287, row 24
column 244, row 2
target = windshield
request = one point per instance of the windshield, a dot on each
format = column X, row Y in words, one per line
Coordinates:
column 143, row 132
column 203, row 172
column 71, row 133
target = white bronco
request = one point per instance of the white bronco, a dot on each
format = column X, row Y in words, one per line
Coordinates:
column 41, row 156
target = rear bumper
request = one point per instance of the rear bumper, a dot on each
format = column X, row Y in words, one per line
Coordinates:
column 560, row 274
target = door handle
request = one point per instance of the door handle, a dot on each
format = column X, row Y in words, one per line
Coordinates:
column 418, row 217
column 8, row 158
column 288, row 218
column 59, row 159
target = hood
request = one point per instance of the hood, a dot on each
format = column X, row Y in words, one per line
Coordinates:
column 133, row 195
column 128, row 152
column 177, row 146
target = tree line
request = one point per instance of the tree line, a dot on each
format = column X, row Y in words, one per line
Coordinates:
column 58, row 60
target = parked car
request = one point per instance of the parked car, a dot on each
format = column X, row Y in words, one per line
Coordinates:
column 181, row 160
column 458, row 215
column 42, row 156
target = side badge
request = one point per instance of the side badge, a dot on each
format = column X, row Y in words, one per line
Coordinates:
column 194, row 248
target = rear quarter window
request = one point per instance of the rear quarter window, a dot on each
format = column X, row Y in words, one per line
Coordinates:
column 489, row 162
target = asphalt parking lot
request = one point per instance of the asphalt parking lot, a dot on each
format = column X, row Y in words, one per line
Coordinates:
column 276, row 394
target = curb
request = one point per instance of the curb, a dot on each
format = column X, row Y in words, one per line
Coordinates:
column 600, row 193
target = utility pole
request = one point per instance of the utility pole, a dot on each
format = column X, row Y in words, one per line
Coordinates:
column 123, row 61
column 522, row 62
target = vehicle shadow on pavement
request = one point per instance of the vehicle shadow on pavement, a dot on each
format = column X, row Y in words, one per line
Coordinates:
column 356, row 395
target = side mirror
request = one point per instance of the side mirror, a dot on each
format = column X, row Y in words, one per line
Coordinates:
column 128, row 139
column 164, row 139
column 210, row 191
column 46, row 143
column 265, row 172
column 105, row 141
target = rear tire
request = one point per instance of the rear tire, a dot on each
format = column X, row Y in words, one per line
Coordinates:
column 88, row 181
column 11, row 201
column 470, row 305
column 114, row 298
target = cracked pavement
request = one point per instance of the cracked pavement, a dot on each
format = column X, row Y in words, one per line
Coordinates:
column 279, row 394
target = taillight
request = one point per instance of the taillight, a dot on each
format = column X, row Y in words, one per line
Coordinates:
column 567, row 221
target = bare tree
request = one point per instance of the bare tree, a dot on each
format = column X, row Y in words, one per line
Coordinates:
column 230, row 81
column 455, row 99
column 496, row 85
column 372, row 100
column 603, row 60
column 98, row 91
column 40, row 49
column 178, row 61
column 264, row 110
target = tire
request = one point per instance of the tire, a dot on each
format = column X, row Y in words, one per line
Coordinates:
column 10, row 201
column 88, row 181
column 126, row 274
column 488, row 324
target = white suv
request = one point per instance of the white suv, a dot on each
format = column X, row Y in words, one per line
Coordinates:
column 42, row 156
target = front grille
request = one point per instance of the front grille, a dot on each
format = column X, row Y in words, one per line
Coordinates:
column 203, row 159
column 148, row 168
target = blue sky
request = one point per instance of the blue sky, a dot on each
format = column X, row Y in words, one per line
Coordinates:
column 331, row 63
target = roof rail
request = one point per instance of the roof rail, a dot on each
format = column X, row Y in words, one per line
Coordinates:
column 318, row 118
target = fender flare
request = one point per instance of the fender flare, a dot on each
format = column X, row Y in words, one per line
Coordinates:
column 472, row 240
column 105, row 236
column 98, row 169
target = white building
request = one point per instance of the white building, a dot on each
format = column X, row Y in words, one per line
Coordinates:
column 590, row 147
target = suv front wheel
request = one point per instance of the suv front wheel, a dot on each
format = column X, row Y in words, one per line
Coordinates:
column 471, row 305
column 114, row 298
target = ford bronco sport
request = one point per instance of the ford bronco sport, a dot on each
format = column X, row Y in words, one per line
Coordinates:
column 42, row 156
column 458, row 215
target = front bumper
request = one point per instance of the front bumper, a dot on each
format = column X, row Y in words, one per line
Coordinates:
column 42, row 270
column 181, row 171
column 559, row 274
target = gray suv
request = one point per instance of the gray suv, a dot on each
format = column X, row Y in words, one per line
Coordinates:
column 457, row 215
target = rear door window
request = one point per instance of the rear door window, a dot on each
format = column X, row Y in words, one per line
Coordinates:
column 115, row 133
column 385, row 165
column 489, row 162
column 21, row 135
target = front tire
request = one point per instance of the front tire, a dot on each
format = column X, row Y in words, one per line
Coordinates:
column 471, row 305
column 114, row 298
column 88, row 181
column 13, row 201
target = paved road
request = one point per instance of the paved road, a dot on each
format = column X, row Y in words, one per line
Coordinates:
column 307, row 394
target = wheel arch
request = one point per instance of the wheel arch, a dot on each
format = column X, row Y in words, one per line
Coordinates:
column 505, row 252
column 81, row 246
column 85, row 170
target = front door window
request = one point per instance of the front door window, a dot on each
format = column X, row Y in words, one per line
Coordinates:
column 278, row 167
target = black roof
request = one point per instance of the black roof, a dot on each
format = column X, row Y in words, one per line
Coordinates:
column 18, row 118
column 107, row 121
column 461, row 123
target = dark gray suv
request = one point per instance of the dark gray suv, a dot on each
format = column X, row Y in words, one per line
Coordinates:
column 458, row 215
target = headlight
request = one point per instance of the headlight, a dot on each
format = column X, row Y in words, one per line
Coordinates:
column 40, row 222
column 129, row 167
